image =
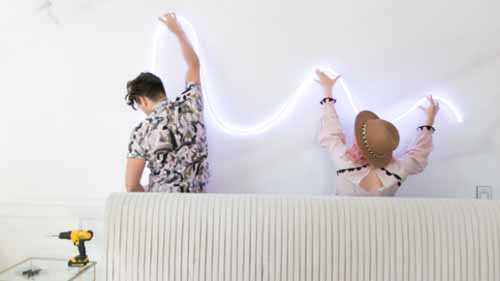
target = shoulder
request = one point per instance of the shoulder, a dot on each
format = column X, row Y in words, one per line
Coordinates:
column 192, row 87
column 143, row 126
column 190, row 97
column 396, row 166
column 342, row 161
column 140, row 126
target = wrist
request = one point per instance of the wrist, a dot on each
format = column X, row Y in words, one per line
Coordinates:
column 328, row 91
column 180, row 34
column 327, row 100
column 430, row 121
column 427, row 127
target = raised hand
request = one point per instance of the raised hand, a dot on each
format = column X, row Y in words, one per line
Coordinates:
column 430, row 111
column 170, row 20
column 325, row 79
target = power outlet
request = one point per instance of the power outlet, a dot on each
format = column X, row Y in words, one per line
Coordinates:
column 484, row 192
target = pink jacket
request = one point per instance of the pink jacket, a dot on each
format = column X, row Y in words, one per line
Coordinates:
column 350, row 174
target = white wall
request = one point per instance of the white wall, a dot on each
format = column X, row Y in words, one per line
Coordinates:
column 65, row 126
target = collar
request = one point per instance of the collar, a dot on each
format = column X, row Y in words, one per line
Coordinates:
column 159, row 106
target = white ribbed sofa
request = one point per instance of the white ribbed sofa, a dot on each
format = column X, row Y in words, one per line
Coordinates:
column 260, row 237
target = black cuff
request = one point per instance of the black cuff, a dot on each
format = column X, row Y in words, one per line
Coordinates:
column 327, row 99
column 430, row 128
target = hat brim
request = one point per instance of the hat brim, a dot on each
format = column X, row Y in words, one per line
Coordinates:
column 361, row 119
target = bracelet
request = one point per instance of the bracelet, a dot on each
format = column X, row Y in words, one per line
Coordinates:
column 327, row 99
column 430, row 128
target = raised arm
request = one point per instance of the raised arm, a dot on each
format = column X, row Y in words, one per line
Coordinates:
column 327, row 82
column 415, row 159
column 431, row 111
column 331, row 136
column 190, row 56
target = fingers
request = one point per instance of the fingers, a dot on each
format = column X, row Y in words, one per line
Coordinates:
column 321, row 76
column 328, row 75
column 433, row 102
column 321, row 73
column 432, row 109
column 168, row 18
column 163, row 20
column 172, row 17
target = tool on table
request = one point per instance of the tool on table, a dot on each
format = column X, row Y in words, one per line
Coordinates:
column 78, row 237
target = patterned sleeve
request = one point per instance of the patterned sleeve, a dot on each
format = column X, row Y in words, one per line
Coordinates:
column 191, row 98
column 136, row 146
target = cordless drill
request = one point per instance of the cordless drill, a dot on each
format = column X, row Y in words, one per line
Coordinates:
column 78, row 237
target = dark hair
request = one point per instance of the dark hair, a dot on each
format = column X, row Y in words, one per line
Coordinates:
column 146, row 85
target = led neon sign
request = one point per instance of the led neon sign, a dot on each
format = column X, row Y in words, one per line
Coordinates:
column 273, row 120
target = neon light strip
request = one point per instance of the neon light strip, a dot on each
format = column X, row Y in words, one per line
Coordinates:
column 454, row 110
column 286, row 108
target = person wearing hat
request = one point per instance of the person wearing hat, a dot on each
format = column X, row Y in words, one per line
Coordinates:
column 368, row 167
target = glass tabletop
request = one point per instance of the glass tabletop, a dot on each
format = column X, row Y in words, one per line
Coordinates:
column 45, row 269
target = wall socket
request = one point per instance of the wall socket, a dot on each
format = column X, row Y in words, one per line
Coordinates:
column 484, row 192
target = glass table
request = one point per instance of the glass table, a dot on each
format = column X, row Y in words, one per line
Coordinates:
column 48, row 269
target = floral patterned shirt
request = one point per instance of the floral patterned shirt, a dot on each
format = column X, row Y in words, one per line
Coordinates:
column 172, row 140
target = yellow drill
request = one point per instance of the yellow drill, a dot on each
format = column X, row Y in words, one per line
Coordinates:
column 78, row 237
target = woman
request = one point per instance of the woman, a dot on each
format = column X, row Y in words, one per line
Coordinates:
column 368, row 167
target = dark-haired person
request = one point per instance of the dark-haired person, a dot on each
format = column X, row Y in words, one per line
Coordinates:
column 172, row 138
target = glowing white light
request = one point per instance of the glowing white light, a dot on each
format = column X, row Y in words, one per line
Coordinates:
column 286, row 108
column 441, row 100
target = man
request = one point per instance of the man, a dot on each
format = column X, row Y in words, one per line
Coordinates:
column 172, row 138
